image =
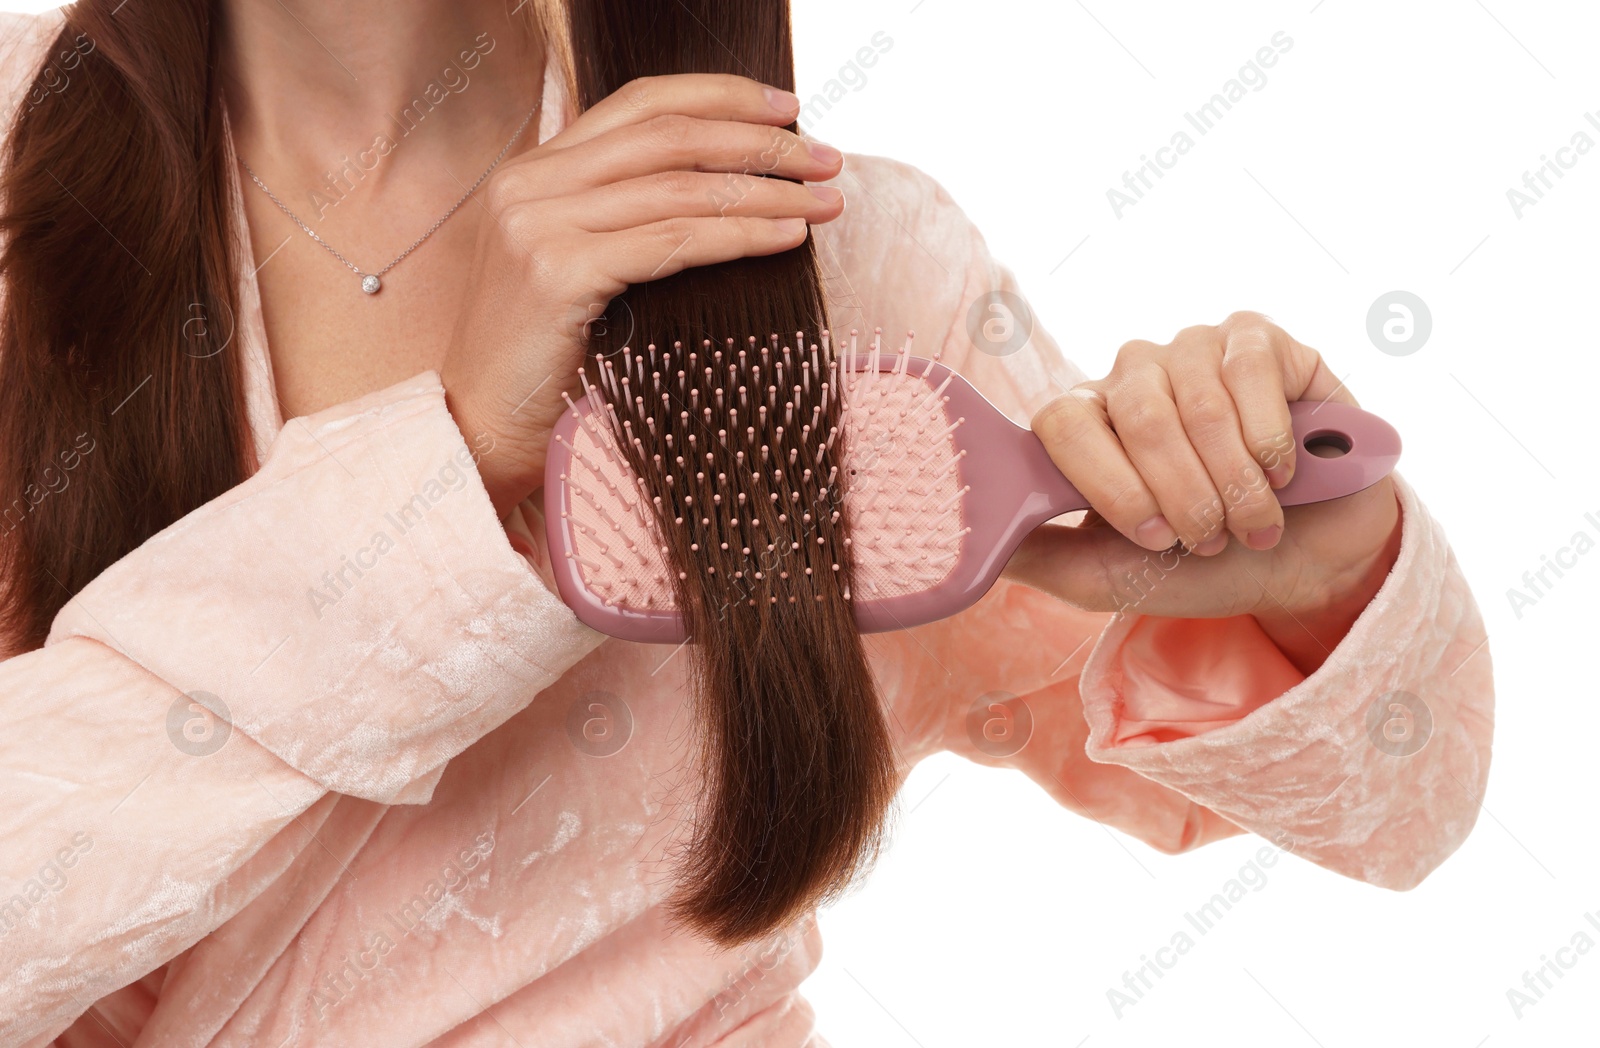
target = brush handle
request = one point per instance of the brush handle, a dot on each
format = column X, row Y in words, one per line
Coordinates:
column 1014, row 486
column 1365, row 449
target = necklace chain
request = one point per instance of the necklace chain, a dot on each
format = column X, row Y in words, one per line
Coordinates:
column 371, row 282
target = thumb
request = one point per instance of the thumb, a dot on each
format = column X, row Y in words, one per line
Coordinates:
column 1089, row 566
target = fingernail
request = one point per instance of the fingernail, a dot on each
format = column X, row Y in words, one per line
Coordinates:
column 1155, row 533
column 1278, row 475
column 792, row 226
column 823, row 152
column 1264, row 538
column 1213, row 545
column 827, row 194
column 782, row 101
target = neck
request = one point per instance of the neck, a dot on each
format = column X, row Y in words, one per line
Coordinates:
column 312, row 86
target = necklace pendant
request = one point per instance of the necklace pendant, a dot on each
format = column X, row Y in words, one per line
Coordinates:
column 371, row 284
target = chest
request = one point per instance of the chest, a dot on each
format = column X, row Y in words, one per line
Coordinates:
column 328, row 341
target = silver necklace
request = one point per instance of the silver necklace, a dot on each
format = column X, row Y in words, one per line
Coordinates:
column 371, row 283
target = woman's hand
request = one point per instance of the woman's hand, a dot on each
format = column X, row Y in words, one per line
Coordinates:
column 636, row 188
column 1184, row 443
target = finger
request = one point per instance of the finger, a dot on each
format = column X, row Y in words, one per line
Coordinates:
column 1211, row 421
column 710, row 96
column 1074, row 430
column 1253, row 371
column 670, row 143
column 660, row 249
column 1305, row 375
column 1147, row 422
column 674, row 142
column 1075, row 564
column 1098, row 570
column 694, row 194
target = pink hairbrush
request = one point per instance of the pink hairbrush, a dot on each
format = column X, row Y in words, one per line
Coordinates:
column 942, row 488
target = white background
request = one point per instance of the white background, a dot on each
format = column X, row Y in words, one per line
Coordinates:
column 1376, row 157
column 1387, row 137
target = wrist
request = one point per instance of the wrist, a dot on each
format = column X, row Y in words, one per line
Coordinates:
column 1308, row 632
column 504, row 475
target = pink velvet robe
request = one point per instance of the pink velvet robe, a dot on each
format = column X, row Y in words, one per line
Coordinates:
column 414, row 833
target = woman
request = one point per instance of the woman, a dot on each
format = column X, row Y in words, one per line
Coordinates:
column 321, row 759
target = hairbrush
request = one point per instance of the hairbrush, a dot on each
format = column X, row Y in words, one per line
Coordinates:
column 940, row 486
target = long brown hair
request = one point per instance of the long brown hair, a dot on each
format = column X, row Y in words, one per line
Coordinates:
column 121, row 408
column 797, row 761
column 120, row 300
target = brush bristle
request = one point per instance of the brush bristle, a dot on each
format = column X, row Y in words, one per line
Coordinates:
column 904, row 475
column 741, row 451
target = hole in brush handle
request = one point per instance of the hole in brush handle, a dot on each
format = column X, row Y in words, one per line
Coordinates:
column 1340, row 450
column 1326, row 443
